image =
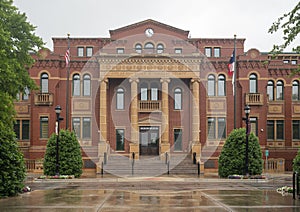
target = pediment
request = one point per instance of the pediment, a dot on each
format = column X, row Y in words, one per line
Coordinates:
column 149, row 120
column 140, row 28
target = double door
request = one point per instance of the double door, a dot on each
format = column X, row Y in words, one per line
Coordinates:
column 149, row 140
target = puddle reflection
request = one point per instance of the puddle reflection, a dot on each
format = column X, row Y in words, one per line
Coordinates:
column 153, row 200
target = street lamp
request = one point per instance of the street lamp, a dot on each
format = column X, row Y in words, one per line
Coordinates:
column 58, row 119
column 247, row 112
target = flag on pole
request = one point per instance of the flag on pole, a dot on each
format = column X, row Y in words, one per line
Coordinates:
column 67, row 57
column 231, row 64
column 231, row 70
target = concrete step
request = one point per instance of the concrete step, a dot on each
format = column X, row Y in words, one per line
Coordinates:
column 150, row 165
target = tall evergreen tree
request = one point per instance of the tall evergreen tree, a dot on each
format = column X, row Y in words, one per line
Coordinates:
column 232, row 157
column 70, row 159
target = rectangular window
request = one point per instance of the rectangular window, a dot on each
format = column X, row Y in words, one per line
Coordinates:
column 76, row 126
column 279, row 130
column 207, row 51
column 286, row 61
column 253, row 125
column 89, row 51
column 120, row 50
column 275, row 129
column 80, row 51
column 178, row 51
column 294, row 62
column 86, row 128
column 270, row 130
column 144, row 96
column 25, row 94
column 120, row 139
column 178, row 139
column 120, row 100
column 17, row 129
column 217, row 52
column 154, row 94
column 211, row 127
column 296, row 129
column 221, row 128
column 25, row 129
column 44, row 127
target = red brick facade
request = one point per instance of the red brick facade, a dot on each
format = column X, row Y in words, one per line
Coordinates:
column 98, row 117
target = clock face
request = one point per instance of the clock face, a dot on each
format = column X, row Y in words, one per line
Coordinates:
column 149, row 32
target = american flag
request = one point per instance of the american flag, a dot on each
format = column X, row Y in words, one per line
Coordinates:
column 67, row 57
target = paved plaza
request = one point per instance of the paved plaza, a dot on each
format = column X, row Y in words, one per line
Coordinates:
column 164, row 193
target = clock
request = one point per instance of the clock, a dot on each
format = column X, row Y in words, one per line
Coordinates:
column 149, row 32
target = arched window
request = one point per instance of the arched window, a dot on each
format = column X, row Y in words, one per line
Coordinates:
column 86, row 85
column 253, row 83
column 270, row 90
column 76, row 85
column 211, row 85
column 44, row 83
column 279, row 90
column 221, row 85
column 120, row 99
column 295, row 94
column 177, row 99
column 149, row 47
column 138, row 48
column 160, row 48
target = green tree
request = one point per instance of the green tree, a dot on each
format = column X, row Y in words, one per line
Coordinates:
column 70, row 159
column 296, row 162
column 289, row 24
column 12, row 171
column 232, row 157
column 17, row 39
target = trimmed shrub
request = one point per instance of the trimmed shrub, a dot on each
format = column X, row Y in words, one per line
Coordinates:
column 232, row 157
column 70, row 159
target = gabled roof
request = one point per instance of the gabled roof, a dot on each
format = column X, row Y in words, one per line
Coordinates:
column 148, row 23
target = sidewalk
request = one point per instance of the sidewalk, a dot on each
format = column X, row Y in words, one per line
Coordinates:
column 166, row 193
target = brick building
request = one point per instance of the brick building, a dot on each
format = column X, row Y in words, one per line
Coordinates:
column 149, row 89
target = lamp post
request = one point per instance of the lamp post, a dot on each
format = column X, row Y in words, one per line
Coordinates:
column 247, row 112
column 57, row 111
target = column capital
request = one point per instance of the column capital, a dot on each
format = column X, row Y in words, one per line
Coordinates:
column 195, row 80
column 167, row 80
column 134, row 79
column 104, row 80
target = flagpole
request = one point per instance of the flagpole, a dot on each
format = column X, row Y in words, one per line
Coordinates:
column 67, row 96
column 234, row 81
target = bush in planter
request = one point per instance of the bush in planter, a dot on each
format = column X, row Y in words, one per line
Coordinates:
column 232, row 157
column 296, row 162
column 70, row 159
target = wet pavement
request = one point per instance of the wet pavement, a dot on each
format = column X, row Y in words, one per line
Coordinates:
column 166, row 193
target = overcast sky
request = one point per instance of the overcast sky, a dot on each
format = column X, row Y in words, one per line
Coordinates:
column 203, row 18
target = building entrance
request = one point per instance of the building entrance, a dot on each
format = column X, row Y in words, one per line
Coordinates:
column 149, row 140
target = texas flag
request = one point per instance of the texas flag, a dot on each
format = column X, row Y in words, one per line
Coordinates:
column 231, row 64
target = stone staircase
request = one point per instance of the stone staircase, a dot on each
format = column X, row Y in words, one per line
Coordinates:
column 123, row 166
column 182, row 164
